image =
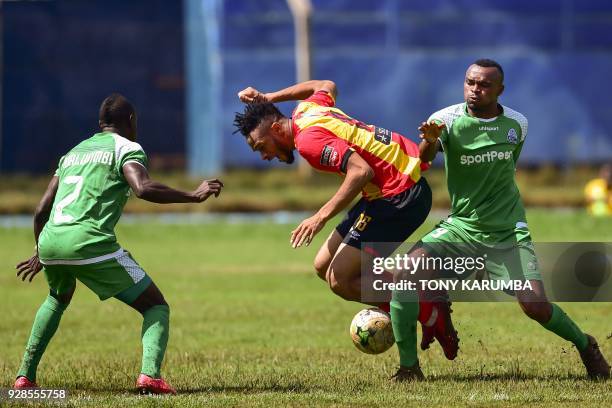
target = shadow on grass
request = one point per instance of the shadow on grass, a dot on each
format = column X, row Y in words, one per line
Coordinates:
column 243, row 389
column 299, row 388
column 510, row 376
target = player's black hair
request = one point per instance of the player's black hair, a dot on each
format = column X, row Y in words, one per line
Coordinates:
column 486, row 62
column 254, row 114
column 115, row 110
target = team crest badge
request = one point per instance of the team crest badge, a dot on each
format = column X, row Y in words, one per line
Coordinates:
column 382, row 135
column 512, row 136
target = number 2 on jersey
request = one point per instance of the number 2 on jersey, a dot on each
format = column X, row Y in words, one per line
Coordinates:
column 58, row 217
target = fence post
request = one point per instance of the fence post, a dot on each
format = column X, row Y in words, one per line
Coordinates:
column 203, row 79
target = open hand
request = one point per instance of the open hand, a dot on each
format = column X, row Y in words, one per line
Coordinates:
column 252, row 95
column 306, row 231
column 431, row 131
column 29, row 267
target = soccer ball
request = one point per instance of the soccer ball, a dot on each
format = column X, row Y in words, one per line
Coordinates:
column 371, row 331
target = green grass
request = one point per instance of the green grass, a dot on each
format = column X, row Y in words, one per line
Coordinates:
column 252, row 325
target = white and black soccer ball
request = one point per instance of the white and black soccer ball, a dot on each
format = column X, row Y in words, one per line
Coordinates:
column 371, row 331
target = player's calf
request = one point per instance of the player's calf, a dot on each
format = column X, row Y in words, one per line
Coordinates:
column 344, row 273
column 552, row 317
column 347, row 288
column 155, row 330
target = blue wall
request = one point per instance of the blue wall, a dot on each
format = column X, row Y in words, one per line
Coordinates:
column 62, row 58
column 394, row 62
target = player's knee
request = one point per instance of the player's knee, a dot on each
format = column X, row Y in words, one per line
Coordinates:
column 159, row 300
column 64, row 298
column 321, row 265
column 149, row 298
column 320, row 268
column 538, row 311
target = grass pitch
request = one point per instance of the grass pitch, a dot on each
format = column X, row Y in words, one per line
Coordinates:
column 252, row 325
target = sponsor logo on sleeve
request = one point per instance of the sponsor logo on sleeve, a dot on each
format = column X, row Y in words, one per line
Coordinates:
column 329, row 156
column 512, row 136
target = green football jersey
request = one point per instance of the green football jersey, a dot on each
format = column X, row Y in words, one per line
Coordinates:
column 480, row 160
column 91, row 194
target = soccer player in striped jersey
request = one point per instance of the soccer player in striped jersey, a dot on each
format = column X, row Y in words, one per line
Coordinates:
column 482, row 140
column 383, row 165
column 75, row 239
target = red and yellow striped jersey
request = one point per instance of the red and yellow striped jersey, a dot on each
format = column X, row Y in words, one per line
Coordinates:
column 324, row 134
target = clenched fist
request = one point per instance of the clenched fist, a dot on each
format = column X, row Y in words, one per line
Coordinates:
column 252, row 95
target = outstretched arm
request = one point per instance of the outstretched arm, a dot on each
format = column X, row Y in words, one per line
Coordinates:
column 358, row 174
column 297, row 92
column 30, row 267
column 153, row 191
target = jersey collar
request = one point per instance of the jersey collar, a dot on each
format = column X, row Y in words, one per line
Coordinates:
column 501, row 108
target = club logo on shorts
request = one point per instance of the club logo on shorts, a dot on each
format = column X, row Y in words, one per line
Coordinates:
column 512, row 136
column 382, row 135
column 329, row 156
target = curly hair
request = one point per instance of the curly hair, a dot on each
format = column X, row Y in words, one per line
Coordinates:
column 254, row 114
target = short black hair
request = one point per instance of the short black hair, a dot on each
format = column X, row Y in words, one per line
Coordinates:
column 254, row 114
column 486, row 62
column 115, row 110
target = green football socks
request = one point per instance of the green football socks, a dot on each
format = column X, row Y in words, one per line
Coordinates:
column 404, row 314
column 564, row 327
column 155, row 331
column 45, row 324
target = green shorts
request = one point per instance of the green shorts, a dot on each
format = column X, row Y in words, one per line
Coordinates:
column 509, row 255
column 120, row 277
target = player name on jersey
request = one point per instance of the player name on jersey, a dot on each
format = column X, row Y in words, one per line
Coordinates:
column 81, row 158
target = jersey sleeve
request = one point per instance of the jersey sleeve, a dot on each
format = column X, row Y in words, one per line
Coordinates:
column 59, row 167
column 324, row 151
column 130, row 152
column 447, row 116
column 319, row 98
column 524, row 124
column 322, row 98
